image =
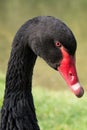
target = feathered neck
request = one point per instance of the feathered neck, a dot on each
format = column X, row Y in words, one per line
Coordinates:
column 18, row 107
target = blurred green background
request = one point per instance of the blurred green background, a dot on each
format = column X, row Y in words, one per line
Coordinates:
column 13, row 13
column 74, row 13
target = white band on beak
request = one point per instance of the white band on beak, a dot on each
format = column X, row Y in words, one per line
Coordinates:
column 76, row 86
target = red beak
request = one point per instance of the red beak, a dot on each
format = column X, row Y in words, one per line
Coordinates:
column 68, row 71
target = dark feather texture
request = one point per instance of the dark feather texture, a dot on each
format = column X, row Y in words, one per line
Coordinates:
column 36, row 37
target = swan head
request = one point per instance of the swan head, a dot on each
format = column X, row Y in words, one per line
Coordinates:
column 52, row 40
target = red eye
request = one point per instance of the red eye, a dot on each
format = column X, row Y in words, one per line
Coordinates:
column 58, row 44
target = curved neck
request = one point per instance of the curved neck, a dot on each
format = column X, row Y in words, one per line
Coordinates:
column 18, row 106
column 20, row 69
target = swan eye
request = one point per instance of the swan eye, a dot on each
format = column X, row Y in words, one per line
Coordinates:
column 58, row 44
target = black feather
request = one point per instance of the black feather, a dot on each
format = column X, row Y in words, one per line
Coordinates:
column 35, row 38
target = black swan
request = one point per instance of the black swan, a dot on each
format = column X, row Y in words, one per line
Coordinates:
column 51, row 39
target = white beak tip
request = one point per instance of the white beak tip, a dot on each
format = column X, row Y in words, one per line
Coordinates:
column 77, row 90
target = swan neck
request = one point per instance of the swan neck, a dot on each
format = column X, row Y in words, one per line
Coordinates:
column 20, row 69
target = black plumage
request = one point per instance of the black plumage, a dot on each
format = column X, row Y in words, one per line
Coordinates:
column 36, row 37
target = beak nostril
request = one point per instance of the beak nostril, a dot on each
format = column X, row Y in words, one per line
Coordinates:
column 70, row 74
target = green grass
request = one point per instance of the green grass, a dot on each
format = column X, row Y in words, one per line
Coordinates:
column 2, row 84
column 57, row 110
column 60, row 110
